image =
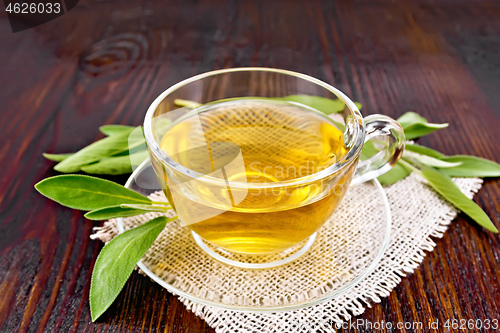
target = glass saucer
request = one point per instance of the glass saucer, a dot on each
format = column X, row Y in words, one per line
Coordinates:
column 345, row 251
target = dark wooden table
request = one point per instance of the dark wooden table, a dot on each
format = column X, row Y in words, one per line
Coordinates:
column 105, row 61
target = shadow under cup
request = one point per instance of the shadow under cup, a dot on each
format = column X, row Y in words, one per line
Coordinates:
column 249, row 160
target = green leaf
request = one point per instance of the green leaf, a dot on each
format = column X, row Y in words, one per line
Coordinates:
column 56, row 157
column 372, row 148
column 98, row 150
column 368, row 151
column 419, row 130
column 416, row 126
column 443, row 184
column 471, row 166
column 113, row 212
column 125, row 210
column 325, row 105
column 116, row 165
column 117, row 260
column 429, row 161
column 114, row 129
column 398, row 172
column 88, row 193
column 150, row 208
column 424, row 150
column 410, row 119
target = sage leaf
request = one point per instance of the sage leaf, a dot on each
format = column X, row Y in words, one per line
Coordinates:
column 443, row 184
column 150, row 208
column 416, row 126
column 109, row 146
column 116, row 165
column 325, row 105
column 429, row 161
column 369, row 150
column 117, row 260
column 114, row 129
column 398, row 172
column 424, row 150
column 471, row 166
column 113, row 212
column 56, row 157
column 411, row 118
column 87, row 193
column 419, row 130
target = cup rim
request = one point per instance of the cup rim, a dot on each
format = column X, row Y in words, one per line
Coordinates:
column 344, row 162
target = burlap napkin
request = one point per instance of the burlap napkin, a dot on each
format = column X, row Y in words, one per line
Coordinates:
column 418, row 214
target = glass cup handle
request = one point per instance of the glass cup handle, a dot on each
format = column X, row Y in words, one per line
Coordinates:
column 380, row 125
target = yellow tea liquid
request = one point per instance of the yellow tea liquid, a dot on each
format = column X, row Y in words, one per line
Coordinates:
column 277, row 141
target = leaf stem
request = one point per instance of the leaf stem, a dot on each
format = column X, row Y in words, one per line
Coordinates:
column 410, row 166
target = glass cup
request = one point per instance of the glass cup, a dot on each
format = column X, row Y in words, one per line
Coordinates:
column 251, row 163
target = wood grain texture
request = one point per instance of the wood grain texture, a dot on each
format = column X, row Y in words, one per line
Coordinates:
column 104, row 62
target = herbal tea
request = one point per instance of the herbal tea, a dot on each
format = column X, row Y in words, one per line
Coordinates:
column 247, row 209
